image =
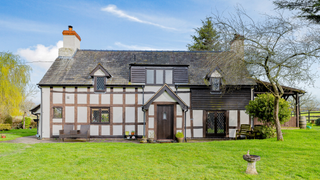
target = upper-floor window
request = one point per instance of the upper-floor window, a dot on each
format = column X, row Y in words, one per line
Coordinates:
column 159, row 76
column 100, row 83
column 100, row 75
column 215, row 84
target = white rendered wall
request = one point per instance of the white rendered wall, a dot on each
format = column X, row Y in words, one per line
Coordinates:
column 99, row 73
column 244, row 117
column 117, row 130
column 117, row 114
column 179, row 122
column 197, row 132
column 69, row 98
column 151, row 110
column 232, row 133
column 130, row 114
column 105, row 130
column 56, row 129
column 45, row 117
column 140, row 130
column 69, row 114
column 140, row 114
column 82, row 115
column 197, row 118
column 151, row 122
column 130, row 98
column 105, row 98
column 94, row 99
column 94, row 130
column 117, row 99
column 185, row 97
column 164, row 97
column 233, row 118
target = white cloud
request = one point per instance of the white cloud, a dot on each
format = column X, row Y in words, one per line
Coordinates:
column 114, row 10
column 46, row 55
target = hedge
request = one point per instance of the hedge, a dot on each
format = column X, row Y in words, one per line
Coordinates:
column 5, row 127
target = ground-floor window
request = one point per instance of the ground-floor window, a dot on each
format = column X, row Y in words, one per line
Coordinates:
column 57, row 112
column 100, row 115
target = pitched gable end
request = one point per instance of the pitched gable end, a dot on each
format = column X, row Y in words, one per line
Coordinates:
column 99, row 70
column 165, row 88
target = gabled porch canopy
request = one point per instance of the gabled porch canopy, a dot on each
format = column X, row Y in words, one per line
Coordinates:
column 165, row 88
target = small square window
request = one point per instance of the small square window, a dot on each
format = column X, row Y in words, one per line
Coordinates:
column 57, row 112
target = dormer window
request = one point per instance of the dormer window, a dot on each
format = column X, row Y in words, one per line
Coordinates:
column 215, row 84
column 100, row 84
column 100, row 75
column 215, row 81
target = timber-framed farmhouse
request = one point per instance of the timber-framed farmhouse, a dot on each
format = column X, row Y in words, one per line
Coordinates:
column 154, row 93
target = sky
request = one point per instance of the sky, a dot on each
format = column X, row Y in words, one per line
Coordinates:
column 33, row 28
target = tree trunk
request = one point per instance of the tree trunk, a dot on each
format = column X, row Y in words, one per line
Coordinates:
column 24, row 121
column 276, row 118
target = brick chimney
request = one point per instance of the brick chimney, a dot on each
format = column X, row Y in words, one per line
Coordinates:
column 237, row 44
column 71, row 42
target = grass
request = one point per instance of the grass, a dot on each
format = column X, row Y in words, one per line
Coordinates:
column 297, row 157
column 16, row 133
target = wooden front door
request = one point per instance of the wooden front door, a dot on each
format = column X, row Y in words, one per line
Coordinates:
column 165, row 122
column 216, row 123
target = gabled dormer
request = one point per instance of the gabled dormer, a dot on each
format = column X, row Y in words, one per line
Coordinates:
column 100, row 76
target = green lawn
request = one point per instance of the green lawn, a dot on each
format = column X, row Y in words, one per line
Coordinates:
column 297, row 157
column 16, row 133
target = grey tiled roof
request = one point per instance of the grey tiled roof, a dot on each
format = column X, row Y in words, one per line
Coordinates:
column 75, row 70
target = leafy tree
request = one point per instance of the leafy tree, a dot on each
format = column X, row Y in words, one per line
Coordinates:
column 262, row 107
column 14, row 76
column 308, row 9
column 272, row 52
column 207, row 38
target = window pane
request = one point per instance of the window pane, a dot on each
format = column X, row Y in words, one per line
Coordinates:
column 105, row 115
column 159, row 76
column 57, row 112
column 169, row 76
column 100, row 83
column 215, row 84
column 150, row 76
column 95, row 115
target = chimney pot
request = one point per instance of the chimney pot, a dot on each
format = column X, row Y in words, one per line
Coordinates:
column 70, row 28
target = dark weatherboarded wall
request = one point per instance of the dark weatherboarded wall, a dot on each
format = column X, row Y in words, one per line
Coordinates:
column 232, row 100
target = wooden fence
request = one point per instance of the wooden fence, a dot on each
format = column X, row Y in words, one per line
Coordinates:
column 291, row 123
column 311, row 116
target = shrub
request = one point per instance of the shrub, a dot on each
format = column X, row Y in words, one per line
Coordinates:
column 8, row 120
column 27, row 122
column 5, row 127
column 262, row 108
column 318, row 122
column 267, row 132
column 179, row 135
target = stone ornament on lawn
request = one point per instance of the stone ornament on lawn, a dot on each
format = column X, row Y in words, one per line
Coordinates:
column 251, row 159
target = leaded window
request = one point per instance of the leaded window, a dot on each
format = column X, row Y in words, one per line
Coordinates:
column 215, row 84
column 100, row 84
column 100, row 115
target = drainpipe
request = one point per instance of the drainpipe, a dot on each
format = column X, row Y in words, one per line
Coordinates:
column 144, row 113
column 185, row 125
column 41, row 115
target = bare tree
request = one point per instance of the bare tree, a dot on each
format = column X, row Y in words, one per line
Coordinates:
column 310, row 103
column 29, row 92
column 276, row 50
